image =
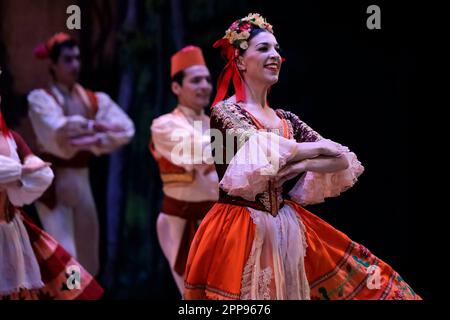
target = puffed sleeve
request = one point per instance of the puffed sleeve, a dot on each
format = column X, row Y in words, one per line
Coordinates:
column 48, row 119
column 110, row 112
column 31, row 185
column 314, row 187
column 302, row 132
column 181, row 143
column 10, row 170
column 28, row 186
column 257, row 158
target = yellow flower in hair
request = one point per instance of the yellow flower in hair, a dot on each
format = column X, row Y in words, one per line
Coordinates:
column 251, row 16
column 243, row 35
column 239, row 31
column 259, row 22
column 246, row 34
column 229, row 34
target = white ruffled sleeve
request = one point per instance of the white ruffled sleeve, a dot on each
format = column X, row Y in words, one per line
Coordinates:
column 255, row 163
column 181, row 143
column 110, row 112
column 10, row 170
column 314, row 187
column 32, row 185
column 48, row 119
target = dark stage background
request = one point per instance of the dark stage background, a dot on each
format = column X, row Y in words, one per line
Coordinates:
column 351, row 84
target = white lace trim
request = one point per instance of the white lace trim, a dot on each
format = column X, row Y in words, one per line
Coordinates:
column 314, row 187
column 19, row 268
column 255, row 163
column 275, row 268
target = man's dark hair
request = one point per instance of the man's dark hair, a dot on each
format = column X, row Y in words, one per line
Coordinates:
column 56, row 52
column 57, row 48
column 178, row 77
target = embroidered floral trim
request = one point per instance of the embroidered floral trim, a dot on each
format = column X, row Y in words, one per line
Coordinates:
column 272, row 200
column 264, row 282
column 231, row 117
column 216, row 293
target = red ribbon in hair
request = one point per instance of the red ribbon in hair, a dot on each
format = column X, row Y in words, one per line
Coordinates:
column 3, row 128
column 229, row 73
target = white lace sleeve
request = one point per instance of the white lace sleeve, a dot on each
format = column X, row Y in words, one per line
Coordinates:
column 32, row 185
column 314, row 187
column 255, row 163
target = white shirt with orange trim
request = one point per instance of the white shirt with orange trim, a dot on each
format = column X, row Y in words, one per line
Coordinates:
column 182, row 137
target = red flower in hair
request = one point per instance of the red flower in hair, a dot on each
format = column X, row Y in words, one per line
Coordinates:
column 41, row 51
column 245, row 27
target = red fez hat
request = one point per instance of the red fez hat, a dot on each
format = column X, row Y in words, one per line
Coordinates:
column 42, row 51
column 186, row 57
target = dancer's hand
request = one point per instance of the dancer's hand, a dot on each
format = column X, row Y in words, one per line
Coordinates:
column 85, row 141
column 76, row 128
column 312, row 150
column 290, row 171
column 102, row 126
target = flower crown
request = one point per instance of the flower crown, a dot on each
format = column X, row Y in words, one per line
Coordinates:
column 239, row 31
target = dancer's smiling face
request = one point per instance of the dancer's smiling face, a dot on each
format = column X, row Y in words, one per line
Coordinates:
column 195, row 89
column 261, row 61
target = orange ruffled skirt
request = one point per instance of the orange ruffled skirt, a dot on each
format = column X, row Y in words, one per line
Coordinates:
column 336, row 267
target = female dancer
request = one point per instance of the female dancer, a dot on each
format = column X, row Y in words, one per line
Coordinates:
column 32, row 264
column 258, row 242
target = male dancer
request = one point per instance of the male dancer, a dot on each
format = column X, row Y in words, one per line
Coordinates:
column 190, row 182
column 72, row 124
